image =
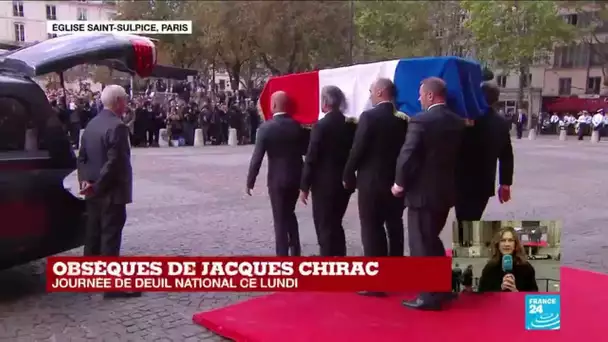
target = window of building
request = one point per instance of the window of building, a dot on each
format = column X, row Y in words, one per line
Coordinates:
column 571, row 19
column 51, row 12
column 501, row 81
column 527, row 80
column 594, row 85
column 13, row 125
column 51, row 35
column 19, row 32
column 599, row 54
column 574, row 56
column 459, row 51
column 82, row 14
column 565, row 86
column 222, row 84
column 439, row 32
column 18, row 8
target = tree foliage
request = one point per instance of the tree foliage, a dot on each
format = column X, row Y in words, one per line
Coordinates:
column 401, row 29
column 295, row 36
column 391, row 29
column 185, row 51
column 512, row 34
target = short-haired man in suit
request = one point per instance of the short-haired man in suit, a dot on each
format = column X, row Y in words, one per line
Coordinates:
column 330, row 142
column 371, row 169
column 106, row 177
column 425, row 175
column 483, row 144
column 284, row 140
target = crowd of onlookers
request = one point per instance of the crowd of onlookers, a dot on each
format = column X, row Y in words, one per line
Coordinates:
column 175, row 108
column 581, row 124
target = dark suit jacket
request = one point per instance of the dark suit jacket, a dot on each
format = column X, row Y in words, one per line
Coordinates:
column 426, row 167
column 104, row 158
column 379, row 136
column 492, row 274
column 283, row 139
column 483, row 144
column 330, row 142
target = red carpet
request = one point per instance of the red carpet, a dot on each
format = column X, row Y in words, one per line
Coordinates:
column 348, row 317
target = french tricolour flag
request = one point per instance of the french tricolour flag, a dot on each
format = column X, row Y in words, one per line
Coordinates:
column 462, row 76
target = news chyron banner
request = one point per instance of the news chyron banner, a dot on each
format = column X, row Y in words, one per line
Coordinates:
column 248, row 274
column 143, row 27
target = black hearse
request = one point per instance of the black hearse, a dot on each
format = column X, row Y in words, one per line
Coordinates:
column 39, row 217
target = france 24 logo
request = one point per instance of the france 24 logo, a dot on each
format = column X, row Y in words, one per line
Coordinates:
column 543, row 312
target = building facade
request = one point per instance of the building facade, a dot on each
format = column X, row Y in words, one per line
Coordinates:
column 23, row 22
column 572, row 79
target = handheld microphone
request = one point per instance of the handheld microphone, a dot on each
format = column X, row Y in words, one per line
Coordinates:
column 507, row 263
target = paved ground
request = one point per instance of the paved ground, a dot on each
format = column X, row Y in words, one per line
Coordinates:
column 190, row 202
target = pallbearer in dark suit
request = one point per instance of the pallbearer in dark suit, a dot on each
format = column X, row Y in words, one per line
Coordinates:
column 106, row 177
column 425, row 174
column 371, row 169
column 330, row 143
column 485, row 143
column 284, row 140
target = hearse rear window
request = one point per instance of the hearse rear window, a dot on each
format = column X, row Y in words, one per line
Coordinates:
column 14, row 120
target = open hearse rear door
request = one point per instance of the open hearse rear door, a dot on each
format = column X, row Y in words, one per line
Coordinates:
column 132, row 54
column 40, row 217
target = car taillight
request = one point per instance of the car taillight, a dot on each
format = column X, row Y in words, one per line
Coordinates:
column 145, row 56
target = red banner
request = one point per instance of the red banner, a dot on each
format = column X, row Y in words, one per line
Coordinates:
column 248, row 274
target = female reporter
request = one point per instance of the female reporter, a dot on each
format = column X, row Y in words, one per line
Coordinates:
column 522, row 276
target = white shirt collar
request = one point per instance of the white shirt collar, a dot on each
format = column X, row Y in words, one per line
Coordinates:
column 279, row 113
column 381, row 102
column 435, row 105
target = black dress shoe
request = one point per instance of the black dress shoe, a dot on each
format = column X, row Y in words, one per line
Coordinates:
column 373, row 293
column 419, row 304
column 121, row 294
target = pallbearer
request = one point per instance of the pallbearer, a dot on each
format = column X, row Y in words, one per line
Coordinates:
column 283, row 139
column 330, row 143
column 371, row 169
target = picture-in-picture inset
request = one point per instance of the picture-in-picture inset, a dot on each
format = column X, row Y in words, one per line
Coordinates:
column 506, row 256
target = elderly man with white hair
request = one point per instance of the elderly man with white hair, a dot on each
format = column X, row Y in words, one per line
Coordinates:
column 106, row 177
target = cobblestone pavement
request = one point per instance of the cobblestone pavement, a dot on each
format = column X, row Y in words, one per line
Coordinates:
column 191, row 202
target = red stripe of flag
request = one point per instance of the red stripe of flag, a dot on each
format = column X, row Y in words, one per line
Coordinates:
column 303, row 89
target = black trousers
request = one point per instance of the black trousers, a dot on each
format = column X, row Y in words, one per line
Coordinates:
column 74, row 132
column 469, row 209
column 105, row 222
column 286, row 230
column 152, row 135
column 519, row 130
column 423, row 228
column 381, row 216
column 328, row 209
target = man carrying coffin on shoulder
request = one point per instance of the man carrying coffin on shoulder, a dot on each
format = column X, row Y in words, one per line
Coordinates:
column 283, row 139
column 330, row 143
column 484, row 144
column 425, row 176
column 371, row 169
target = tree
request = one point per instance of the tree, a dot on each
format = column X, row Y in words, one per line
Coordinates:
column 402, row 29
column 292, row 36
column 511, row 35
column 391, row 29
column 229, row 26
column 185, row 51
column 592, row 26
